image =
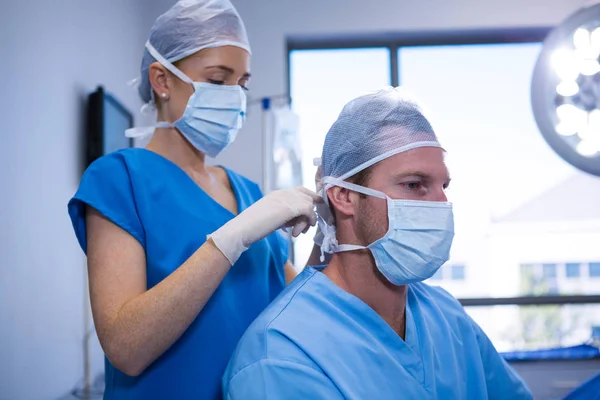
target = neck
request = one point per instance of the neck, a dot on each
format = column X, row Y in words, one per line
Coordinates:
column 356, row 273
column 169, row 143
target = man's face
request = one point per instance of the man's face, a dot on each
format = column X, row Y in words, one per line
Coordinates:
column 418, row 174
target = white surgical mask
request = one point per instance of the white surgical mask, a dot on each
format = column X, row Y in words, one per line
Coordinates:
column 213, row 115
column 416, row 244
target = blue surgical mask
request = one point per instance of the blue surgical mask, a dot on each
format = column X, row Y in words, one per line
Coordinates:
column 417, row 242
column 213, row 115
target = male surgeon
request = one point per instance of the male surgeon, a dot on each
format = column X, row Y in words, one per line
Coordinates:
column 365, row 326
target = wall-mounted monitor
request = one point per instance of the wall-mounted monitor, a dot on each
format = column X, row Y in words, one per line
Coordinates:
column 107, row 121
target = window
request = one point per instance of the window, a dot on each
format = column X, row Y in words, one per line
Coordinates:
column 439, row 275
column 449, row 273
column 527, row 269
column 537, row 327
column 549, row 271
column 321, row 83
column 458, row 272
column 508, row 186
column 572, row 270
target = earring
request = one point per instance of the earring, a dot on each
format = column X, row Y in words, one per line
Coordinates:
column 163, row 95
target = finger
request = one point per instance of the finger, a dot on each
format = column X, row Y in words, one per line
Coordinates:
column 312, row 218
column 290, row 224
column 307, row 228
column 299, row 227
column 303, row 224
column 315, row 197
column 309, row 195
column 308, row 213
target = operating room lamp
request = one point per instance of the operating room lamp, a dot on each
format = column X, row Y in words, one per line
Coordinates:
column 565, row 90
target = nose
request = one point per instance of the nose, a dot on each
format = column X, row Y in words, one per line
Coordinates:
column 439, row 195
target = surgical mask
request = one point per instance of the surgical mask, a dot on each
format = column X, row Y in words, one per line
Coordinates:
column 213, row 115
column 417, row 242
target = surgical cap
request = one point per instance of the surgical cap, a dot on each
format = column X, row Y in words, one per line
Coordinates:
column 372, row 128
column 188, row 27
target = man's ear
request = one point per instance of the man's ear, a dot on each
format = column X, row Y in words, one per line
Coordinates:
column 342, row 200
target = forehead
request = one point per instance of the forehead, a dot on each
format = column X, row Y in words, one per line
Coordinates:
column 232, row 57
column 424, row 160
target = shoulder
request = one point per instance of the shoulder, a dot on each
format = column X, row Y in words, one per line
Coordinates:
column 279, row 379
column 109, row 174
column 434, row 294
column 106, row 185
column 440, row 303
column 121, row 171
column 116, row 165
column 124, row 156
column 272, row 335
column 273, row 359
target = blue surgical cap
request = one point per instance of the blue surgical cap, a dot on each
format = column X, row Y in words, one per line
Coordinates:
column 372, row 128
column 188, row 27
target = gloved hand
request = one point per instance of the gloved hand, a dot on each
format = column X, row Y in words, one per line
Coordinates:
column 281, row 208
column 323, row 209
column 318, row 178
column 318, row 239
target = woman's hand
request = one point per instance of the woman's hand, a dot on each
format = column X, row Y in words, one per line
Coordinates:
column 281, row 208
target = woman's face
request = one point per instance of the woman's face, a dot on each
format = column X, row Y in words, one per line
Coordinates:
column 226, row 65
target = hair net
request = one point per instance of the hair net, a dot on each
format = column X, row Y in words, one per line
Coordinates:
column 372, row 128
column 369, row 129
column 188, row 27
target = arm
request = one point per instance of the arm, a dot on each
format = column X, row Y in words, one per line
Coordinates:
column 135, row 325
column 501, row 380
column 276, row 379
column 290, row 272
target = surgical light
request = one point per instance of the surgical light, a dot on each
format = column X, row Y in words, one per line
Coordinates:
column 565, row 90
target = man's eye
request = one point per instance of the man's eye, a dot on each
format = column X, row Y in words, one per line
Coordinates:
column 412, row 185
column 216, row 82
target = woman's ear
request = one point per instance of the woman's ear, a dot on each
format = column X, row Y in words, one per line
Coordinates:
column 159, row 80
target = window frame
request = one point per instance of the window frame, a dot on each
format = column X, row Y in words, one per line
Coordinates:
column 394, row 42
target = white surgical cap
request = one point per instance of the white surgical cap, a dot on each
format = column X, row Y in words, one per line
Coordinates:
column 188, row 27
column 372, row 128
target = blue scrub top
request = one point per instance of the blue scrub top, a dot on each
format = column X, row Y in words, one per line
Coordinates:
column 316, row 341
column 170, row 215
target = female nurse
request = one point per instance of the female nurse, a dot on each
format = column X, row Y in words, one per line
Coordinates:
column 182, row 256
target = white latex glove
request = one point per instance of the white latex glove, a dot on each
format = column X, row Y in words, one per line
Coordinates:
column 281, row 208
column 318, row 239
column 318, row 178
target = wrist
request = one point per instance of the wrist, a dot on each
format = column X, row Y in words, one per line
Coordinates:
column 228, row 244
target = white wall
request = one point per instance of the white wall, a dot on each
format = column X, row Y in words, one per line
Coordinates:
column 53, row 54
column 269, row 22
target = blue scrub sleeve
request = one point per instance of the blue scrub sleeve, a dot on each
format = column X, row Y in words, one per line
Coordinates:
column 106, row 186
column 277, row 379
column 501, row 380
